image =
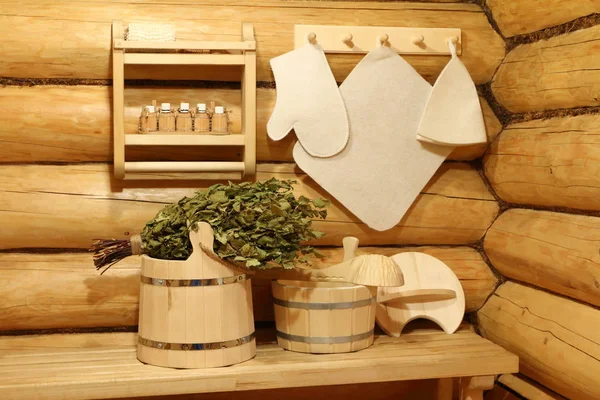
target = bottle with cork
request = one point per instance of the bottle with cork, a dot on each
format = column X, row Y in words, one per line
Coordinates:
column 166, row 118
column 220, row 121
column 183, row 121
column 201, row 119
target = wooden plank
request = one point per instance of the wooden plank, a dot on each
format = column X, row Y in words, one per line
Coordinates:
column 557, row 340
column 82, row 29
column 184, row 140
column 186, row 59
column 46, row 291
column 108, row 372
column 72, row 124
column 561, row 72
column 528, row 388
column 68, row 206
column 552, row 163
column 517, row 17
column 558, row 252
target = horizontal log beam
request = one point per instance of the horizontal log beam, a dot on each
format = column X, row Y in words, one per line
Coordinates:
column 561, row 72
column 45, row 291
column 528, row 388
column 517, row 17
column 73, row 124
column 557, row 340
column 72, row 39
column 551, row 163
column 558, row 252
column 68, row 206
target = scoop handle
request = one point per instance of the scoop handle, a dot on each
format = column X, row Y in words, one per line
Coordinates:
column 350, row 244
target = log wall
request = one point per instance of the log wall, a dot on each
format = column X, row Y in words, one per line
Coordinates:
column 517, row 17
column 544, row 168
column 557, row 340
column 561, row 72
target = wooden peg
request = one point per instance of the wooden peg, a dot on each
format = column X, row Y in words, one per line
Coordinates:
column 382, row 40
column 347, row 38
column 454, row 39
column 418, row 39
column 311, row 37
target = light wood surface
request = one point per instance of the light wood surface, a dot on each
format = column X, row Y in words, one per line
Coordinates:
column 472, row 388
column 72, row 124
column 561, row 72
column 83, row 28
column 550, row 162
column 555, row 251
column 424, row 274
column 194, row 315
column 500, row 393
column 528, row 388
column 44, row 291
column 557, row 340
column 82, row 368
column 333, row 330
column 516, row 17
column 118, row 114
column 57, row 202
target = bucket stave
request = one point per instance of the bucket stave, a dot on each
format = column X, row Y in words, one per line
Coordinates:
column 195, row 313
column 324, row 317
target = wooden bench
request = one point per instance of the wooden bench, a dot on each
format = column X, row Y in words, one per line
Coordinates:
column 104, row 365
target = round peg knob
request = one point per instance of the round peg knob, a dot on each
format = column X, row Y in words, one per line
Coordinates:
column 311, row 37
column 454, row 39
column 417, row 40
column 347, row 38
column 382, row 39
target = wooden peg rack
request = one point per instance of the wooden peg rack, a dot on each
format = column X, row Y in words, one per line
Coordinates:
column 242, row 52
column 362, row 39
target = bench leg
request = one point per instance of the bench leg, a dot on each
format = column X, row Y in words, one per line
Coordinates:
column 444, row 389
column 472, row 388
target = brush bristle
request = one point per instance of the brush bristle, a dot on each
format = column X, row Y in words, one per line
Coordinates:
column 108, row 252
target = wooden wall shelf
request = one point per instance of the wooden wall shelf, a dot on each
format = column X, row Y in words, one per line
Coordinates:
column 242, row 53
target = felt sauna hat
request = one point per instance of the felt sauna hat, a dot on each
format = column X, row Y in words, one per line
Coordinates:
column 453, row 116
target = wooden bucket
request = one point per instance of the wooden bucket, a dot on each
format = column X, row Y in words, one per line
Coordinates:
column 195, row 313
column 324, row 317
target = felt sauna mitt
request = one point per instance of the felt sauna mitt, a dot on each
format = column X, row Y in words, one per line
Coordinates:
column 383, row 168
column 309, row 101
column 453, row 114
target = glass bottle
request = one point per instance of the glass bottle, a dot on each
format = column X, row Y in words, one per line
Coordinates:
column 148, row 120
column 166, row 118
column 184, row 120
column 201, row 119
column 220, row 121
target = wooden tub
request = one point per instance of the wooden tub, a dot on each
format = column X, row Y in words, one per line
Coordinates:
column 195, row 313
column 324, row 317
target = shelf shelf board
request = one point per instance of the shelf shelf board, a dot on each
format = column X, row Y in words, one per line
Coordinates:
column 185, row 59
column 102, row 365
column 196, row 139
column 184, row 45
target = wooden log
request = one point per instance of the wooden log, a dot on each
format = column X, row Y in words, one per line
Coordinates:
column 68, row 206
column 45, row 291
column 517, row 17
column 73, row 124
column 528, row 388
column 552, row 163
column 557, row 340
column 558, row 252
column 72, row 40
column 561, row 72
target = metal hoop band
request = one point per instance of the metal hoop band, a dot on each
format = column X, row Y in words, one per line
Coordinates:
column 196, row 346
column 194, row 282
column 325, row 340
column 324, row 306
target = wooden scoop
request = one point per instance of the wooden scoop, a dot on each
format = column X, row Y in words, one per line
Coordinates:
column 368, row 270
